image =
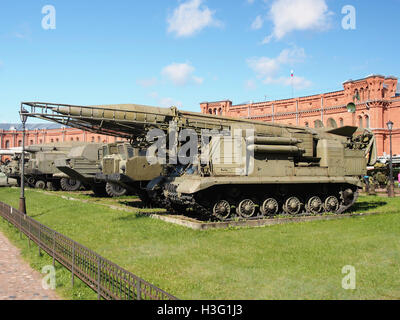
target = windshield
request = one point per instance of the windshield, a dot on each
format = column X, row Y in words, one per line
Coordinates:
column 130, row 152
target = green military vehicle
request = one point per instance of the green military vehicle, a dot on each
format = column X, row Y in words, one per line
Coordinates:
column 128, row 169
column 379, row 174
column 276, row 169
column 40, row 171
column 114, row 157
column 12, row 168
column 81, row 164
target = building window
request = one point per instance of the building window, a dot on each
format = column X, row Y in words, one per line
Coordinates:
column 331, row 123
column 19, row 143
column 31, row 142
column 41, row 141
column 318, row 124
column 341, row 121
column 57, row 140
column 367, row 122
column 72, row 139
column 77, row 139
column 52, row 140
column 360, row 122
column 7, row 144
column 98, row 139
column 307, row 124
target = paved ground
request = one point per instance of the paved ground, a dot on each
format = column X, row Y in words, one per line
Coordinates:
column 17, row 279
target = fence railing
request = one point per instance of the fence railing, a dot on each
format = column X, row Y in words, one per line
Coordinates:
column 110, row 281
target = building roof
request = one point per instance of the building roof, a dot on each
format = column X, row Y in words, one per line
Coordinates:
column 30, row 126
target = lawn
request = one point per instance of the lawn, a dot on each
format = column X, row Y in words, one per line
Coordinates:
column 293, row 261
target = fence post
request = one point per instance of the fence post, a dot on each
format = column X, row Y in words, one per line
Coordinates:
column 138, row 293
column 20, row 226
column 54, row 247
column 29, row 236
column 73, row 263
column 98, row 278
column 40, row 240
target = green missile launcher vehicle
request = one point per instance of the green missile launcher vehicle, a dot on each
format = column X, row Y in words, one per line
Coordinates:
column 247, row 169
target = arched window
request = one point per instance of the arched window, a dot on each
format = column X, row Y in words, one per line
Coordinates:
column 220, row 111
column 306, row 124
column 318, row 124
column 57, row 140
column 341, row 121
column 362, row 94
column 31, row 142
column 210, row 111
column 360, row 122
column 77, row 139
column 52, row 140
column 7, row 144
column 19, row 143
column 367, row 122
column 92, row 139
column 331, row 123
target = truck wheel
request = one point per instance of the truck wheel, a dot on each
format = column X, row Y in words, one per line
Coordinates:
column 114, row 190
column 40, row 185
column 70, row 184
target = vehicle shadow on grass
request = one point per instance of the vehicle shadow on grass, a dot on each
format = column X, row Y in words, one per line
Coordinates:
column 133, row 204
column 366, row 205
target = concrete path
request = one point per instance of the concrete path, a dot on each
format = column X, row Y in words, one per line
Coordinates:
column 17, row 279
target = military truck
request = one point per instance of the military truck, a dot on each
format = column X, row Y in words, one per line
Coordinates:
column 40, row 171
column 12, row 168
column 81, row 164
column 128, row 168
column 114, row 156
column 283, row 169
column 379, row 174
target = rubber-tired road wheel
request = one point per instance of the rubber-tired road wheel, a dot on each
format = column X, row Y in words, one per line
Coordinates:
column 114, row 190
column 40, row 185
column 70, row 184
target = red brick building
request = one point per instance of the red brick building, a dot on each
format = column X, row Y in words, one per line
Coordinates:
column 11, row 135
column 376, row 97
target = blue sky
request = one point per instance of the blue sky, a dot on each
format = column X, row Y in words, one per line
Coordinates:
column 164, row 53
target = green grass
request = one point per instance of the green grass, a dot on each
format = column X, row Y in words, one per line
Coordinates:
column 293, row 261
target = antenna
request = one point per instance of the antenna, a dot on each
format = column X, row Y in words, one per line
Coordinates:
column 291, row 82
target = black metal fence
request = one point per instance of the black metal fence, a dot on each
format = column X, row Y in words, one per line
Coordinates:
column 110, row 281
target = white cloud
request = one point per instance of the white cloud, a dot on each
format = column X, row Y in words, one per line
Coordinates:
column 191, row 17
column 297, row 82
column 250, row 85
column 267, row 69
column 292, row 15
column 165, row 102
column 147, row 82
column 181, row 74
column 169, row 102
column 257, row 23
